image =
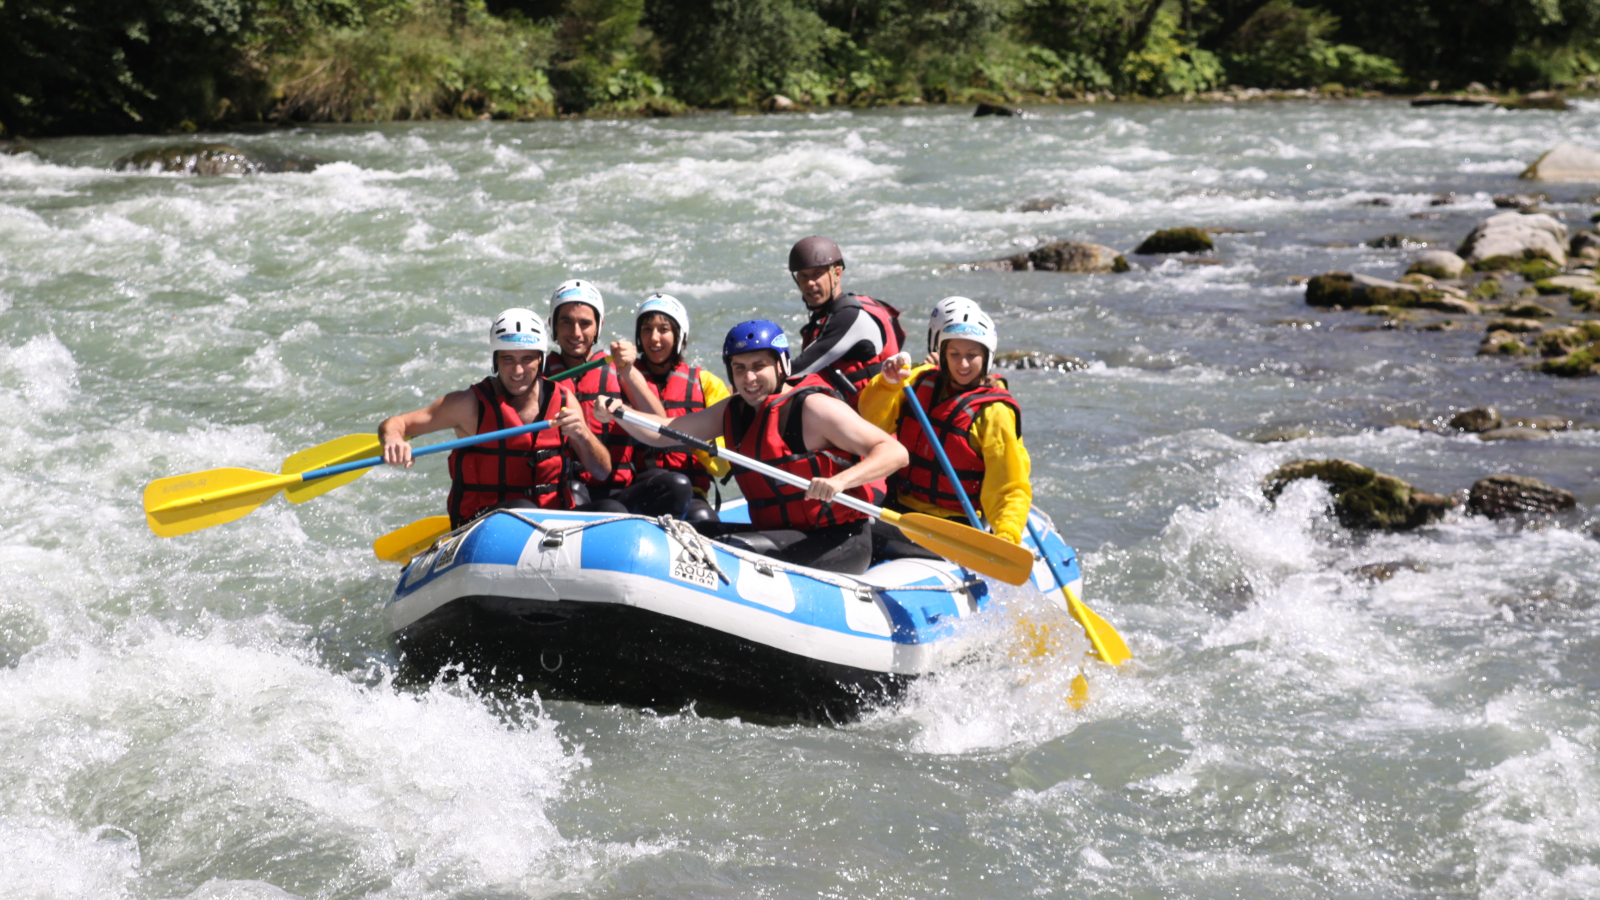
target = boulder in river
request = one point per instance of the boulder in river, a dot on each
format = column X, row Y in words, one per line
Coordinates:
column 1517, row 496
column 993, row 109
column 1396, row 241
column 1515, row 326
column 1502, row 343
column 1585, row 245
column 1439, row 264
column 1504, row 240
column 1538, row 100
column 1033, row 359
column 1479, row 418
column 1567, row 162
column 1514, row 433
column 1577, row 364
column 1060, row 256
column 1363, row 498
column 1176, row 240
column 212, row 160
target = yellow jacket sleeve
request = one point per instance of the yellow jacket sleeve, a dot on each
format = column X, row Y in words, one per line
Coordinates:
column 1007, row 469
column 879, row 402
column 715, row 392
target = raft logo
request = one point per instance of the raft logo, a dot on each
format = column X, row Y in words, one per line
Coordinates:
column 686, row 567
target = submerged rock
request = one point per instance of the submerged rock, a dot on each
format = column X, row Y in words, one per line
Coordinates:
column 1376, row 572
column 1363, row 498
column 1176, row 240
column 1396, row 241
column 1517, row 496
column 1516, row 326
column 1566, row 162
column 212, row 160
column 1504, row 240
column 1061, row 256
column 1514, row 433
column 1538, row 100
column 1439, row 264
column 1033, row 359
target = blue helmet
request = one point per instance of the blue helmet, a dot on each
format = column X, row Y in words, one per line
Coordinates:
column 756, row 334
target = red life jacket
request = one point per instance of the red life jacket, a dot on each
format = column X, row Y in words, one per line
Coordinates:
column 779, row 441
column 859, row 373
column 681, row 393
column 529, row 465
column 924, row 478
column 601, row 381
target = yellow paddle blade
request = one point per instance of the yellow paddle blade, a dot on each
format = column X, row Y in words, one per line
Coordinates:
column 403, row 543
column 979, row 551
column 185, row 503
column 349, row 448
column 1108, row 645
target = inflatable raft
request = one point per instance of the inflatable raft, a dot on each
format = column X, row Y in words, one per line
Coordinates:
column 641, row 611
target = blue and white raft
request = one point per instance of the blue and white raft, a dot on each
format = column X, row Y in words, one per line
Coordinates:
column 642, row 611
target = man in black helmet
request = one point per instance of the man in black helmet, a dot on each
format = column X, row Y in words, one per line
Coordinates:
column 849, row 335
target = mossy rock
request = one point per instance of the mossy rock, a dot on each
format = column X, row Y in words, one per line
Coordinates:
column 1538, row 269
column 1392, row 313
column 1420, row 279
column 1515, row 326
column 1331, row 289
column 1363, row 498
column 1442, row 302
column 1560, row 341
column 1477, row 419
column 1590, row 329
column 1486, row 290
column 1517, row 497
column 1400, row 298
column 1498, row 263
column 1502, row 343
column 1576, row 364
column 1176, row 240
column 1527, row 310
column 1588, row 301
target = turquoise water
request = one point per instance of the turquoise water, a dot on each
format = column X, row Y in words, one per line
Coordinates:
column 214, row 715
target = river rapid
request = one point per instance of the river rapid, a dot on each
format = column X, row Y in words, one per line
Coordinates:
column 218, row 716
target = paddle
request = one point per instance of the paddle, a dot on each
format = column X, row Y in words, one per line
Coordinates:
column 1107, row 644
column 403, row 543
column 359, row 446
column 184, row 503
column 965, row 546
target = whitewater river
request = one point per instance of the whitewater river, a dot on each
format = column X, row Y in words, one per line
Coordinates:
column 217, row 715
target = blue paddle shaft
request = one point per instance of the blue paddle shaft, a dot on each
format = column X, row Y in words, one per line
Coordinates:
column 938, row 449
column 961, row 492
column 485, row 438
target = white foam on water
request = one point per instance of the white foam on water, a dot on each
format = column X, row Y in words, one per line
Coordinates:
column 226, row 744
column 47, row 858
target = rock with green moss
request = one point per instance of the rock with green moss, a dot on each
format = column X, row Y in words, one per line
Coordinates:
column 1487, row 290
column 1566, row 284
column 1502, row 343
column 1176, row 240
column 1363, row 498
column 1331, row 289
column 1576, row 364
column 1585, row 300
column 1538, row 269
column 1560, row 341
column 1527, row 309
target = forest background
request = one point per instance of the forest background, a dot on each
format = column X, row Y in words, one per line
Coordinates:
column 112, row 66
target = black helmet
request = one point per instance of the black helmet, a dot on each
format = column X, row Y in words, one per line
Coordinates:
column 814, row 251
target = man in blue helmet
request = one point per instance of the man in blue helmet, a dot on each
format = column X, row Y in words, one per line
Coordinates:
column 803, row 428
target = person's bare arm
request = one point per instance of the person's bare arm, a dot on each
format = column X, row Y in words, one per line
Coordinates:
column 829, row 422
column 634, row 386
column 457, row 409
column 574, row 426
column 705, row 424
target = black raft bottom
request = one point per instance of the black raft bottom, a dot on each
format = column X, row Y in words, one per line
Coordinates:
column 604, row 653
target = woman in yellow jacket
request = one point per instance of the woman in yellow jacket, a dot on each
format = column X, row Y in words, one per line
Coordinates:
column 974, row 418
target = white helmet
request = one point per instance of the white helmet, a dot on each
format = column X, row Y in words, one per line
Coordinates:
column 971, row 325
column 668, row 306
column 578, row 291
column 516, row 329
column 944, row 312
